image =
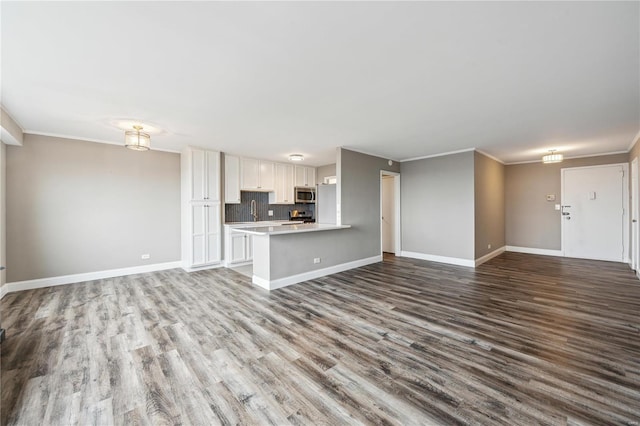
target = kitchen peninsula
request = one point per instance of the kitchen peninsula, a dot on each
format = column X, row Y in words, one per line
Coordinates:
column 289, row 254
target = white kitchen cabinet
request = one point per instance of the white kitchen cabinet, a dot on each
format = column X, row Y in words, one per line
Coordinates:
column 231, row 179
column 204, row 174
column 305, row 176
column 283, row 193
column 238, row 247
column 257, row 175
column 205, row 234
column 201, row 208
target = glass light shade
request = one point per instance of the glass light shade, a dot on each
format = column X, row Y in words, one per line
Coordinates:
column 136, row 140
column 296, row 157
column 552, row 158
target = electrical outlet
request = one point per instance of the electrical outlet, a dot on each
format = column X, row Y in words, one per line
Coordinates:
column 489, row 246
column 316, row 260
column 270, row 212
column 145, row 256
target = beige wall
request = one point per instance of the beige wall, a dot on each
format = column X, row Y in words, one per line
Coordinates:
column 76, row 207
column 489, row 204
column 437, row 206
column 325, row 171
column 530, row 220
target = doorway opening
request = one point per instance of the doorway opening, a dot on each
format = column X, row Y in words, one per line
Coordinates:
column 390, row 241
column 635, row 235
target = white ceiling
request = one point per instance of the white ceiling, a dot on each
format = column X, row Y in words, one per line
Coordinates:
column 399, row 80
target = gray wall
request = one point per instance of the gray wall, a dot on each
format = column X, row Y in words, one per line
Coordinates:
column 489, row 204
column 324, row 171
column 530, row 220
column 437, row 206
column 360, row 189
column 76, row 206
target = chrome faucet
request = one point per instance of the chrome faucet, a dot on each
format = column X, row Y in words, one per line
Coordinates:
column 254, row 210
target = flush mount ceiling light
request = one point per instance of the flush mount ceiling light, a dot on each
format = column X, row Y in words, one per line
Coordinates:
column 552, row 157
column 296, row 157
column 136, row 140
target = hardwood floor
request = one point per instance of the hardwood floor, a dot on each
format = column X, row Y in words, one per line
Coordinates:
column 520, row 340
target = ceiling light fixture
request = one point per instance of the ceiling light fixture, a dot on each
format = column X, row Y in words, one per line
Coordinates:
column 136, row 140
column 552, row 157
column 296, row 157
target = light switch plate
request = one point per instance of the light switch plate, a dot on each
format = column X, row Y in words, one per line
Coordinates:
column 557, row 206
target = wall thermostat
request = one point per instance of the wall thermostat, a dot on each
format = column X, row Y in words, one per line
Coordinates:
column 551, row 197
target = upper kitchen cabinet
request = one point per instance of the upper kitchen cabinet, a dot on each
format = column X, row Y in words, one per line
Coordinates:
column 284, row 185
column 202, row 172
column 231, row 179
column 257, row 175
column 305, row 176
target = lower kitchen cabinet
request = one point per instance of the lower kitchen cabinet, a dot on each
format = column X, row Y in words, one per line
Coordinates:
column 238, row 247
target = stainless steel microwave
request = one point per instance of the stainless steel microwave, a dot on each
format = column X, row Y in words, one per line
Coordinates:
column 305, row 194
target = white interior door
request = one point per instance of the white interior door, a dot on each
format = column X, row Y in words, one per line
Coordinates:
column 388, row 214
column 635, row 259
column 594, row 213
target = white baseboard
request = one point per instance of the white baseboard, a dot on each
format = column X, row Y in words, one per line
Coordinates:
column 87, row 276
column 531, row 250
column 317, row 273
column 441, row 259
column 201, row 268
column 3, row 291
column 497, row 252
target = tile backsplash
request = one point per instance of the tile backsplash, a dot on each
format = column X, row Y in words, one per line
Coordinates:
column 242, row 212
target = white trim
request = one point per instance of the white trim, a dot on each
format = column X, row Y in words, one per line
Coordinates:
column 441, row 259
column 497, row 252
column 76, row 138
column 491, row 156
column 205, row 267
column 634, row 141
column 86, row 276
column 569, row 158
column 533, row 250
column 438, row 155
column 305, row 276
column 7, row 138
column 3, row 291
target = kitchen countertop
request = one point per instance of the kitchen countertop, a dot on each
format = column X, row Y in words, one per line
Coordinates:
column 289, row 229
column 261, row 223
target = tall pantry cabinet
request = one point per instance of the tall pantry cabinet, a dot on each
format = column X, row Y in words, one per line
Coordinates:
column 201, row 208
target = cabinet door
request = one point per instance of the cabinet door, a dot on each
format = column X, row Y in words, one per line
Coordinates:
column 198, row 235
column 267, row 176
column 250, row 172
column 198, row 174
column 249, row 247
column 212, row 176
column 288, row 184
column 300, row 176
column 231, row 179
column 311, row 176
column 238, row 248
column 212, row 212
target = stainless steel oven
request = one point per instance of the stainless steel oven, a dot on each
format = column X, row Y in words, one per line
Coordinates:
column 305, row 194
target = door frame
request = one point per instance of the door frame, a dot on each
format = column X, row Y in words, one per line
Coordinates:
column 625, row 206
column 397, row 227
column 635, row 226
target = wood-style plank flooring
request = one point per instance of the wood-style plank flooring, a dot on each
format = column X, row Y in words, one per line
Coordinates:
column 521, row 340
